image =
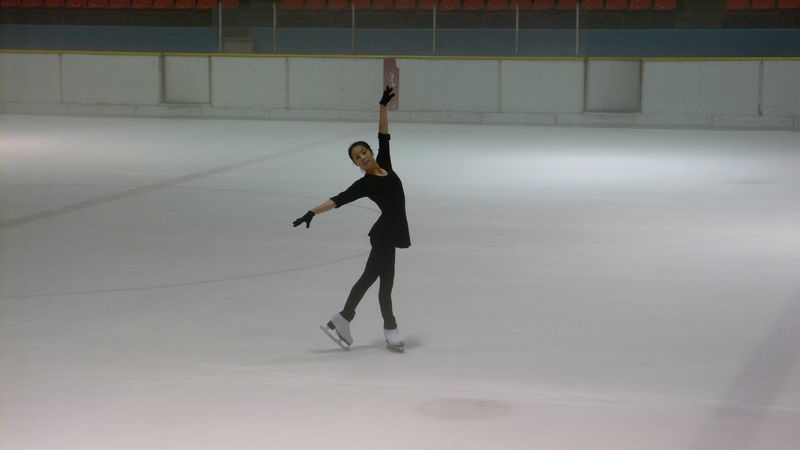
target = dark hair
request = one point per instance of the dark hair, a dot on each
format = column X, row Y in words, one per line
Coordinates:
column 353, row 145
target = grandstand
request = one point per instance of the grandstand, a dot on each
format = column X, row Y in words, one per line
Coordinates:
column 404, row 13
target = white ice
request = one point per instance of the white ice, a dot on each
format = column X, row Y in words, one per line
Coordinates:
column 567, row 288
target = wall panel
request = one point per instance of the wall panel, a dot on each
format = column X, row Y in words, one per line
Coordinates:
column 335, row 84
column 781, row 92
column 186, row 79
column 245, row 82
column 111, row 79
column 701, row 87
column 29, row 78
column 448, row 85
column 542, row 86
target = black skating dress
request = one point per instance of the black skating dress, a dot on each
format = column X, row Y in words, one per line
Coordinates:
column 391, row 228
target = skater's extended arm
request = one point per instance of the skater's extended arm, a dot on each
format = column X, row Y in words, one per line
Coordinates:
column 324, row 207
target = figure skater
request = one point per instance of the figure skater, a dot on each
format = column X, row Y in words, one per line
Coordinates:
column 382, row 185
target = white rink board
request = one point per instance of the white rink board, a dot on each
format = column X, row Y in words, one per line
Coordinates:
column 448, row 85
column 701, row 87
column 613, row 86
column 30, row 78
column 244, row 82
column 334, row 84
column 781, row 94
column 590, row 92
column 186, row 79
column 542, row 86
column 111, row 79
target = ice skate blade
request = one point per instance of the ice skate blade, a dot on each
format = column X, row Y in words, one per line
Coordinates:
column 396, row 348
column 334, row 337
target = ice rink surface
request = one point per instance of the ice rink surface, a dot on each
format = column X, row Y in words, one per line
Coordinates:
column 566, row 288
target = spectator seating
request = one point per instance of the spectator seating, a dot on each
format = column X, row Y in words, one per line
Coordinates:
column 474, row 5
column 760, row 5
column 567, row 4
column 737, row 5
column 315, row 4
column 665, row 5
column 616, row 4
column 405, row 4
column 544, row 4
column 425, row 5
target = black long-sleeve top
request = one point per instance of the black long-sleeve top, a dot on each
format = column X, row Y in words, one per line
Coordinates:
column 391, row 228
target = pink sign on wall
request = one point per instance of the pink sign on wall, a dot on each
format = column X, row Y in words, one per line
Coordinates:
column 391, row 77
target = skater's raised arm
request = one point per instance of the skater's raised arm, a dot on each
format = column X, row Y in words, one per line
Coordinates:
column 383, row 123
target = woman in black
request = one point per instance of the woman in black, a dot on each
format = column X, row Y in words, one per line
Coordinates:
column 381, row 185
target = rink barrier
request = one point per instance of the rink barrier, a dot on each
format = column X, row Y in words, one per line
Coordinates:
column 568, row 91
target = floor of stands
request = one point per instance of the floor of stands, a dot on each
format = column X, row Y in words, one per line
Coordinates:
column 567, row 288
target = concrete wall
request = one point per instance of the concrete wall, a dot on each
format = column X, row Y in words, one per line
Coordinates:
column 565, row 91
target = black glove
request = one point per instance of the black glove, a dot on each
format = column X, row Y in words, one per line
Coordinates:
column 388, row 95
column 307, row 219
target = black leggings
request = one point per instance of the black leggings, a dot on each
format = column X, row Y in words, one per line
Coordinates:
column 380, row 264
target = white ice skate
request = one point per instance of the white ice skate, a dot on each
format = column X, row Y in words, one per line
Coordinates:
column 394, row 341
column 338, row 329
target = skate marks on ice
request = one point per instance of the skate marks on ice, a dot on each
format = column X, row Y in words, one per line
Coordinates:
column 743, row 408
column 464, row 409
column 191, row 283
column 173, row 182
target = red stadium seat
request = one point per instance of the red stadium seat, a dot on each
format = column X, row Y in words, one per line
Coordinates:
column 75, row 4
column 521, row 4
column 665, row 5
column 316, row 4
column 593, row 4
column 97, row 4
column 32, row 3
column 762, row 4
column 641, row 4
column 381, row 5
column 53, row 3
column 474, row 5
column 163, row 4
column 209, row 4
column 338, row 4
column 544, row 4
column 10, row 3
column 427, row 4
column 361, row 4
column 182, row 4
column 498, row 5
column 567, row 4
column 405, row 4
column 788, row 4
column 735, row 5
column 291, row 4
column 140, row 4
column 617, row 4
column 450, row 5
